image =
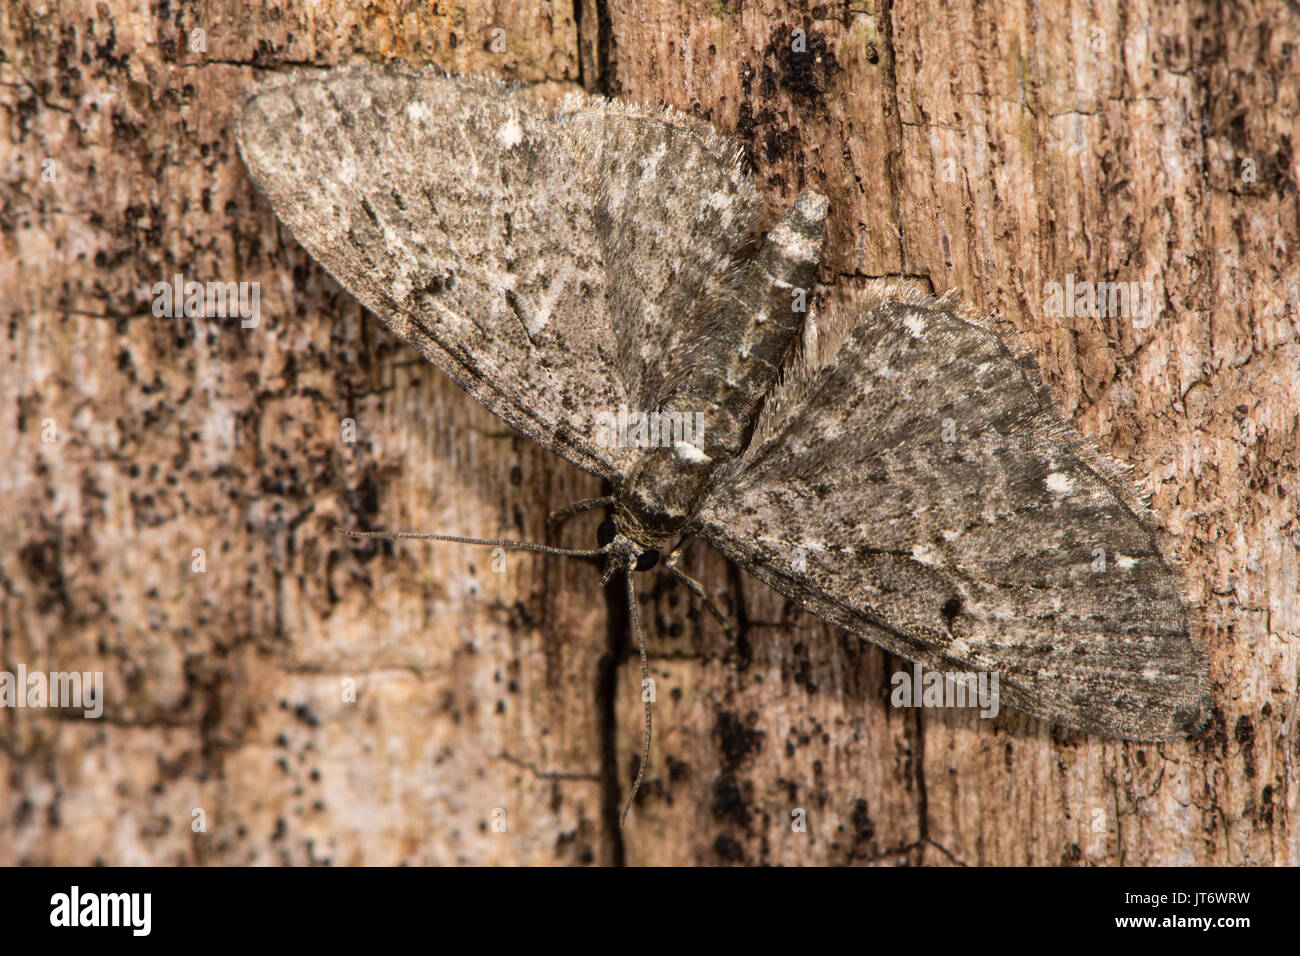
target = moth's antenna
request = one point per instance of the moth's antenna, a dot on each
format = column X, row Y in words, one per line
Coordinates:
column 645, row 681
column 508, row 545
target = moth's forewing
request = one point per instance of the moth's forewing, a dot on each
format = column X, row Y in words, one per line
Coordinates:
column 541, row 259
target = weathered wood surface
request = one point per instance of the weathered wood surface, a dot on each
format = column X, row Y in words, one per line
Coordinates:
column 994, row 149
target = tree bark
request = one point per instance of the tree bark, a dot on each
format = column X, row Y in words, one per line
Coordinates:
column 274, row 693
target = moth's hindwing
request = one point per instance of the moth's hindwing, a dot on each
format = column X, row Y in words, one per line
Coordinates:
column 917, row 489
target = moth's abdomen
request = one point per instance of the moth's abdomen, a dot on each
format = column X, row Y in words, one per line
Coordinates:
column 739, row 355
column 746, row 329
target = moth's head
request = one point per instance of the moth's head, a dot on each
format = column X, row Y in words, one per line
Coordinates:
column 623, row 551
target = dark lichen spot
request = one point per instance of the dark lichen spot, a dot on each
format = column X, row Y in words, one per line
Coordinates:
column 951, row 608
column 729, row 802
column 807, row 66
column 735, row 740
column 1244, row 734
column 863, row 828
column 728, row 849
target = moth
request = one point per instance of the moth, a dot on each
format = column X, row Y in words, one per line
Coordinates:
column 891, row 463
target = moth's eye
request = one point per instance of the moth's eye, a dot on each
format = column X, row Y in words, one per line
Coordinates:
column 605, row 533
column 647, row 559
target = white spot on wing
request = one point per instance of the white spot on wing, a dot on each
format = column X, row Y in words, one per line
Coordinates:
column 915, row 324
column 925, row 554
column 1058, row 482
column 510, row 134
column 650, row 165
column 1124, row 562
column 688, row 452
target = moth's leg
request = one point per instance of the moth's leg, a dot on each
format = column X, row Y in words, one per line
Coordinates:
column 695, row 587
column 635, row 616
column 560, row 515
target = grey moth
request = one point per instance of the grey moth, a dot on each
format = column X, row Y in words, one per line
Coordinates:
column 891, row 463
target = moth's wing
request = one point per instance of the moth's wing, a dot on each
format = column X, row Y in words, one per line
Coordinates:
column 675, row 209
column 459, row 215
column 911, row 483
column 543, row 261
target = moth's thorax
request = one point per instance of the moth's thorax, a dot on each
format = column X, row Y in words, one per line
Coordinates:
column 661, row 495
column 644, row 517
